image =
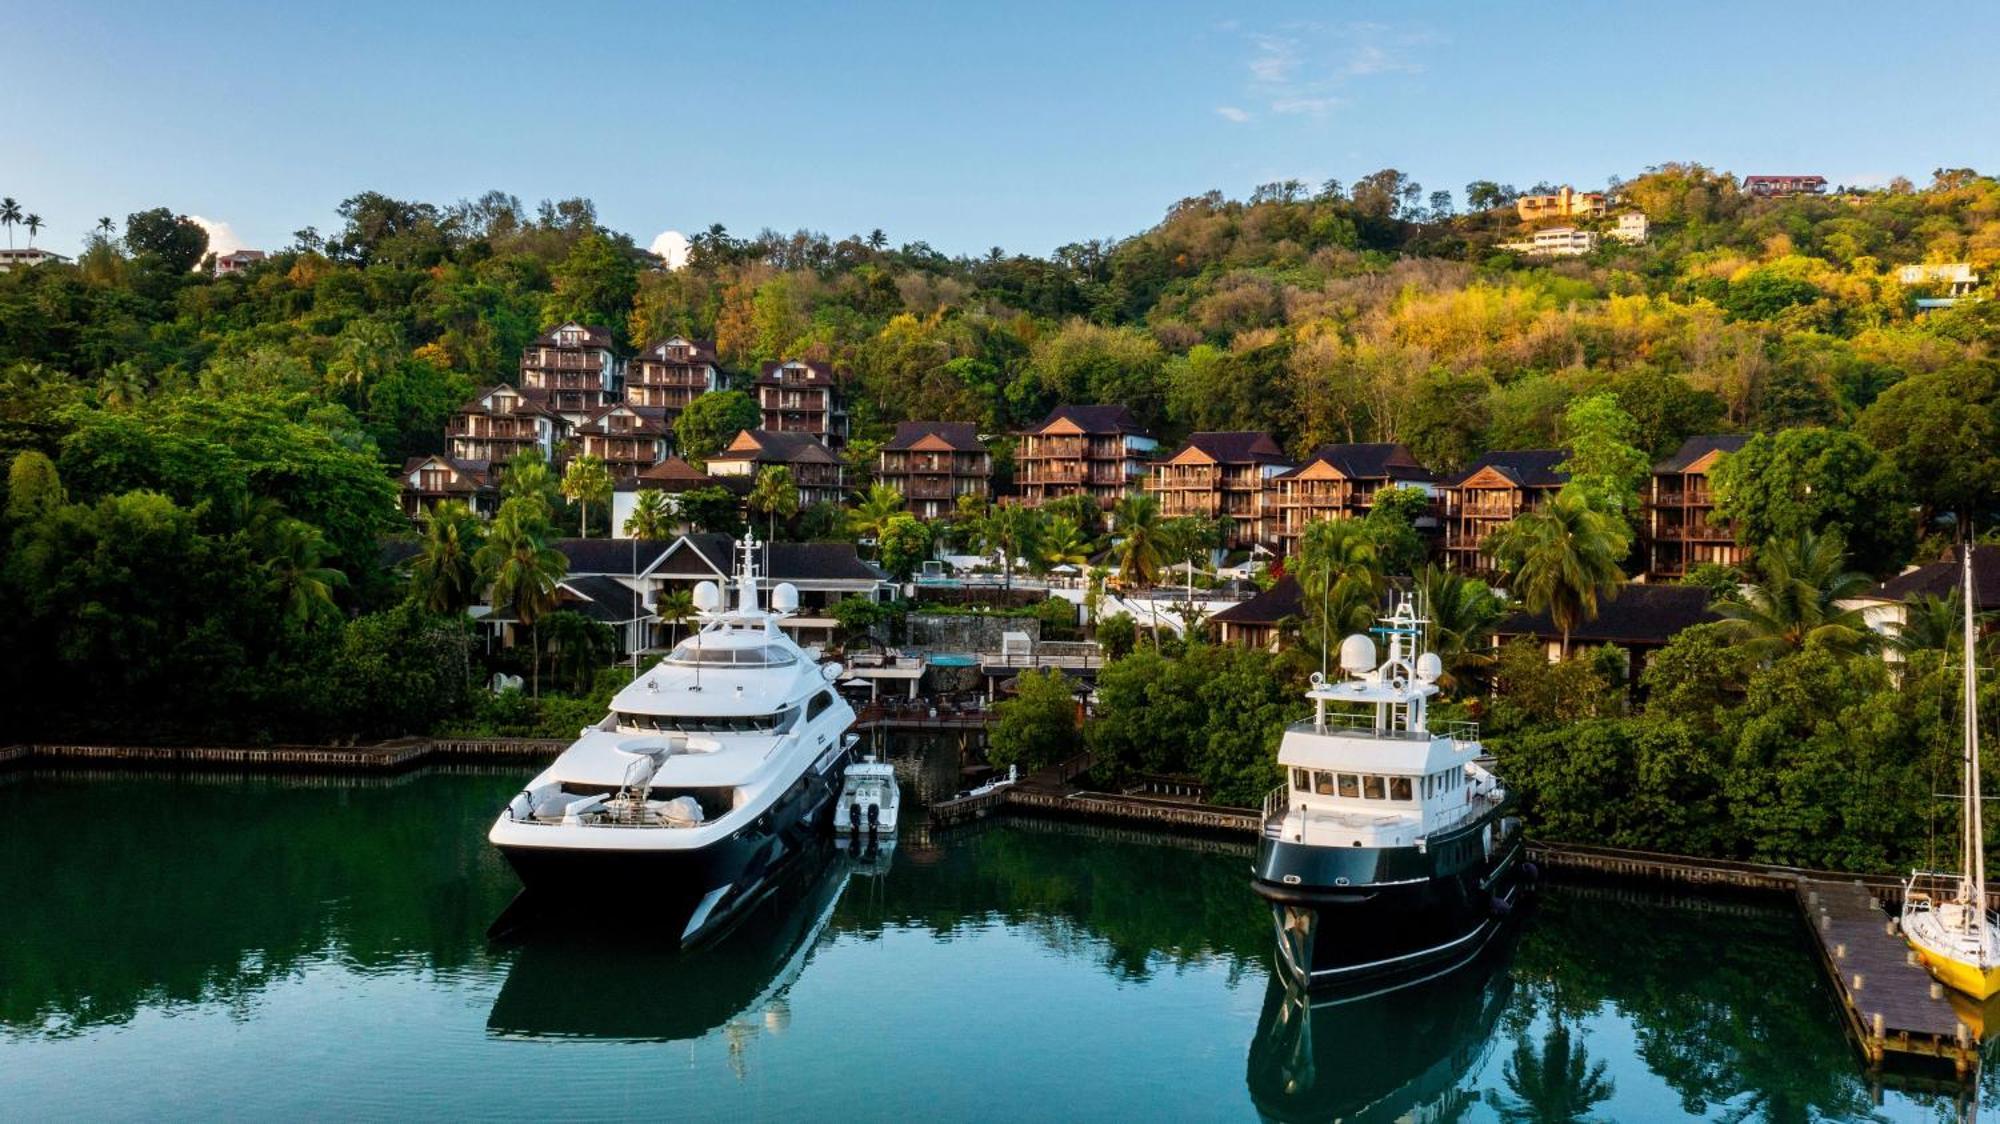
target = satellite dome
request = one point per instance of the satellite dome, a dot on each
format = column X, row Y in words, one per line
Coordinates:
column 1429, row 667
column 1357, row 654
column 707, row 597
column 785, row 598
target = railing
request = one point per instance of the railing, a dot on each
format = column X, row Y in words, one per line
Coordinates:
column 1277, row 802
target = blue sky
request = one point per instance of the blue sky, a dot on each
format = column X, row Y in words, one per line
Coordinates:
column 966, row 124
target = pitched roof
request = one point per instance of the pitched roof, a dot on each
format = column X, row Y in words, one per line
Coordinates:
column 1373, row 460
column 652, row 419
column 704, row 555
column 530, row 404
column 962, row 436
column 1941, row 579
column 603, row 599
column 818, row 372
column 1699, row 446
column 704, row 350
column 1236, row 446
column 1096, row 419
column 629, row 557
column 1526, row 468
column 473, row 476
column 1639, row 614
column 593, row 335
column 1282, row 600
column 779, row 448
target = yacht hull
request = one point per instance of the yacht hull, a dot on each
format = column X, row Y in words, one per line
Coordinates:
column 1346, row 916
column 685, row 895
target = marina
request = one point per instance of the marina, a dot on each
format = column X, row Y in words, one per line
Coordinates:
column 136, row 991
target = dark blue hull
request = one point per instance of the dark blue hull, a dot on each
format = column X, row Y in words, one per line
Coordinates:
column 695, row 893
column 1357, row 915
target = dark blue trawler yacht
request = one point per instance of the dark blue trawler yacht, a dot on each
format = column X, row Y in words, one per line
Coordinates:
column 1391, row 850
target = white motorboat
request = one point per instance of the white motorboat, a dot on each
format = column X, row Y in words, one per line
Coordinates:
column 868, row 800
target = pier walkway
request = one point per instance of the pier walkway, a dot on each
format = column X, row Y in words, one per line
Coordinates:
column 1891, row 1004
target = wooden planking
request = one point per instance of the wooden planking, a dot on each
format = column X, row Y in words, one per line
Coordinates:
column 1693, row 871
column 382, row 757
column 1892, row 1006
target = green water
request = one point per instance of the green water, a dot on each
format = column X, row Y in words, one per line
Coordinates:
column 197, row 947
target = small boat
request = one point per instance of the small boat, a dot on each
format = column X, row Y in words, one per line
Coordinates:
column 1945, row 919
column 997, row 783
column 868, row 800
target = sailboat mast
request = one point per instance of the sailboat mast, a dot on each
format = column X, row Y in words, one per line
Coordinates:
column 1975, row 832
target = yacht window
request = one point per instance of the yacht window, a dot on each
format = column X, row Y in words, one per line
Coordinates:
column 1399, row 788
column 1302, row 780
column 1427, row 788
column 1371, row 787
column 1323, row 783
column 693, row 651
column 709, row 724
column 818, row 705
column 1350, row 785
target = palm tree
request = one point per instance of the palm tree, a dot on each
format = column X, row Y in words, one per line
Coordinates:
column 443, row 578
column 1930, row 624
column 1556, row 1085
column 1139, row 549
column 652, row 516
column 522, row 572
column 871, row 517
column 1797, row 599
column 106, row 227
column 122, row 384
column 34, row 225
column 1064, row 544
column 776, row 495
column 1561, row 559
column 527, row 476
column 676, row 609
column 1013, row 531
column 586, row 481
column 1462, row 612
column 294, row 575
column 10, row 214
column 579, row 645
column 1339, row 572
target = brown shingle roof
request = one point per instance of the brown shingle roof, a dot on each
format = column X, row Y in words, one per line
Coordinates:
column 1275, row 604
column 1527, row 468
column 593, row 335
column 1236, row 446
column 1639, row 614
column 1374, row 460
column 1697, row 447
column 1096, row 419
column 962, row 436
column 780, row 448
column 1941, row 579
column 819, row 372
column 652, row 420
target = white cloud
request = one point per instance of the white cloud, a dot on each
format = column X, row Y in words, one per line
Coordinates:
column 1231, row 114
column 222, row 237
column 672, row 246
column 1370, row 58
column 1307, row 69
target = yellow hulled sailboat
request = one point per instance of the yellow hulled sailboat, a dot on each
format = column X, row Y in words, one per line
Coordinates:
column 1945, row 919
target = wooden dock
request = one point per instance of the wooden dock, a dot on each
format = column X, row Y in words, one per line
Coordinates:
column 965, row 809
column 380, row 757
column 1892, row 1006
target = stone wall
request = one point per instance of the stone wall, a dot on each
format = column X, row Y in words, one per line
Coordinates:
column 945, row 632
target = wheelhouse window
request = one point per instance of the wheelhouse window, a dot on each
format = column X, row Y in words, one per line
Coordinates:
column 708, row 723
column 1371, row 787
column 692, row 651
column 1399, row 789
column 1350, row 785
column 818, row 705
column 1302, row 780
column 1323, row 783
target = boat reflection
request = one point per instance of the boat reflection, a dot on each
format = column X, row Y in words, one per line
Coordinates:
column 1399, row 1053
column 604, row 986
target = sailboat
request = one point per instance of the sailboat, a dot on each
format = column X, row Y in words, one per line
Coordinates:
column 1955, row 936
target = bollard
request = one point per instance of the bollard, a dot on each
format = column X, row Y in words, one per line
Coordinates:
column 1840, row 951
column 1890, row 927
column 1937, row 991
column 1857, row 981
column 1825, row 922
column 1878, row 1025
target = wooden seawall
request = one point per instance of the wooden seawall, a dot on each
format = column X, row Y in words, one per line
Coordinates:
column 380, row 757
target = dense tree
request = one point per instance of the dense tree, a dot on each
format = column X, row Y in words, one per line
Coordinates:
column 443, row 577
column 1817, row 480
column 1604, row 467
column 1941, row 432
column 904, row 544
column 1800, row 596
column 712, row 421
column 1038, row 726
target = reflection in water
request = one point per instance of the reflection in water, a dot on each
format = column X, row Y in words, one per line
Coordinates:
column 611, row 985
column 185, row 923
column 1399, row 1053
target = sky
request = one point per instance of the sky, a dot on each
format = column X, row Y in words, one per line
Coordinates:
column 965, row 125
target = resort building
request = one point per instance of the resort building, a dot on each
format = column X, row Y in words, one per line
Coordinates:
column 1260, row 621
column 628, row 439
column 1886, row 607
column 1636, row 618
column 1096, row 451
column 823, row 573
column 1565, row 203
column 815, row 471
column 1488, row 496
column 797, row 396
column 1222, row 475
column 1678, row 505
column 1555, row 242
column 1773, row 186
column 500, row 422
column 237, row 261
column 429, row 481
column 11, row 259
column 572, row 370
column 674, row 477
column 933, row 463
column 1630, row 228
column 1946, row 283
column 1336, row 482
column 671, row 373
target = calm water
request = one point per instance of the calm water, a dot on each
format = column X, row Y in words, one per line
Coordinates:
column 195, row 947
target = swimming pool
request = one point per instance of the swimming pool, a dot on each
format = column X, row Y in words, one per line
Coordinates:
column 952, row 659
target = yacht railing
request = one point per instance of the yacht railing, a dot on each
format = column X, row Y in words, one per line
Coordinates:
column 1277, row 803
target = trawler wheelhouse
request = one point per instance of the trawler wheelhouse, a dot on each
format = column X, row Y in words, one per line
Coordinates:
column 1397, row 828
